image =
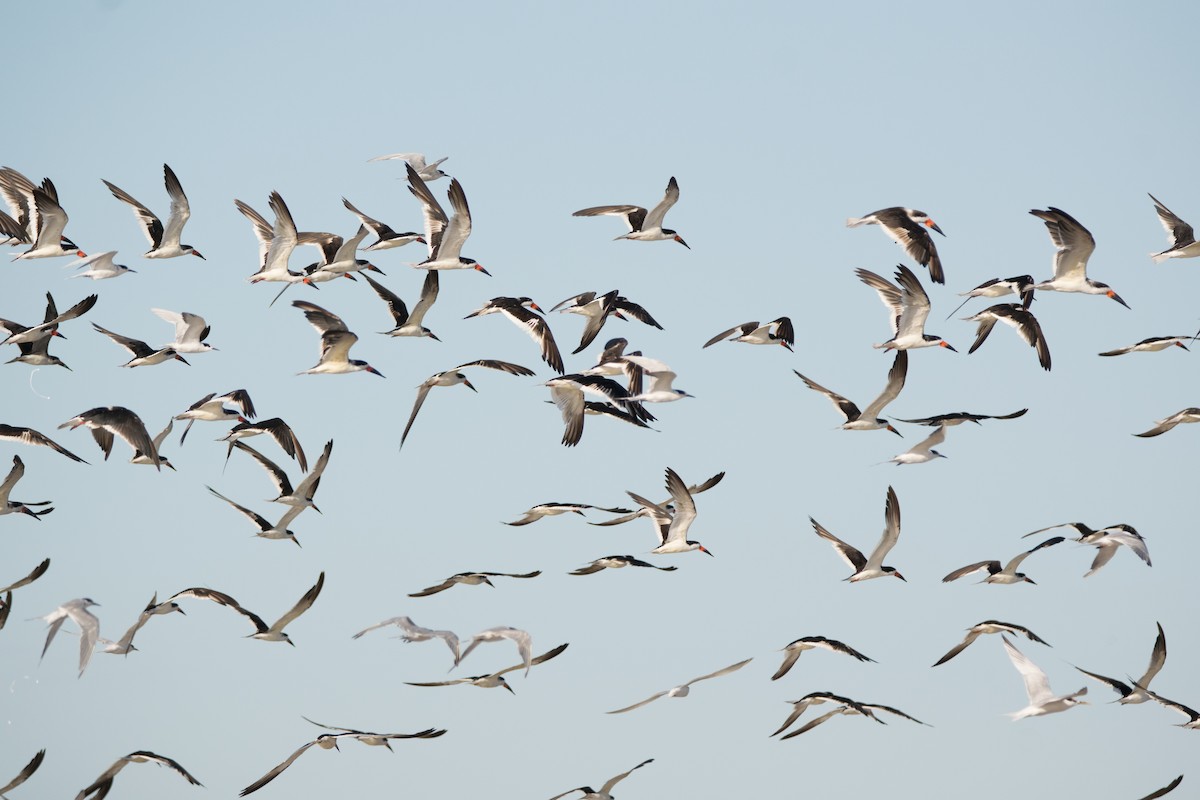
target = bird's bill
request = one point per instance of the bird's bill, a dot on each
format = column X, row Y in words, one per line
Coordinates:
column 1117, row 297
column 196, row 253
column 309, row 282
column 788, row 346
column 535, row 307
column 480, row 268
column 59, row 335
column 893, row 430
column 431, row 335
column 948, row 346
column 81, row 254
column 682, row 242
column 295, row 541
column 242, row 420
column 1181, row 344
column 373, row 268
column 898, row 575
column 1031, row 580
column 181, row 358
column 933, row 225
column 351, row 277
column 470, row 386
column 374, row 371
column 704, row 549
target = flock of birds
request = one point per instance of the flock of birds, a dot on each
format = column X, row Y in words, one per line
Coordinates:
column 620, row 386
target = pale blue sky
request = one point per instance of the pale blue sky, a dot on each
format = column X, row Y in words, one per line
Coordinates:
column 779, row 122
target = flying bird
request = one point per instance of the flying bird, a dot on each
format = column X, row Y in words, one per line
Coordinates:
column 988, row 626
column 523, row 312
column 336, row 341
column 672, row 526
column 265, row 529
column 569, row 392
column 302, row 494
column 820, row 698
column 89, row 627
column 451, row 378
column 444, row 236
column 23, row 334
column 1017, row 317
column 164, row 241
column 274, row 427
column 143, row 354
column 554, row 509
column 472, row 579
column 778, row 331
column 661, row 390
column 25, row 772
column 409, row 324
column 1106, row 540
column 1020, row 285
column 959, row 417
column 867, row 419
column 683, row 689
column 1074, row 245
column 909, row 228
column 99, row 266
column 1151, row 345
column 385, row 237
column 867, row 568
column 1183, row 238
column 1170, row 787
column 275, row 632
column 105, row 422
column 190, row 330
column 1138, row 692
column 643, row 226
column 415, row 633
column 921, row 452
column 6, row 603
column 427, row 172
column 378, row 739
column 605, row 792
column 1042, row 701
column 495, row 679
column 694, row 489
column 520, row 638
column 8, row 506
column 1006, row 575
column 796, row 648
column 1178, row 418
column 617, row 562
column 102, row 785
column 211, row 408
column 909, row 306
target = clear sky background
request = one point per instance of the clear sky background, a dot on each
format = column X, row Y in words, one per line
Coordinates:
column 779, row 121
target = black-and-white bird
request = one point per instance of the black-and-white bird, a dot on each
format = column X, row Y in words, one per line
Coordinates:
column 985, row 627
column 1183, row 238
column 922, row 452
column 9, row 506
column 643, row 226
column 683, row 690
column 1042, row 700
column 406, row 323
column 1192, row 714
column 777, row 331
column 1106, row 540
column 48, row 220
column 25, row 772
column 867, row 419
column 909, row 228
column 793, row 651
column 378, row 739
column 1020, row 285
column 99, row 266
column 1074, row 245
column 453, row 377
column 274, row 632
column 1191, row 414
column 23, row 334
column 265, row 529
column 427, row 172
column 1008, row 573
column 472, row 579
column 14, row 433
column 444, row 236
column 336, row 341
column 274, row 427
column 1151, row 345
column 694, row 489
column 867, row 568
column 662, row 389
column 568, row 393
column 143, row 354
column 164, row 241
column 672, row 523
column 494, row 680
column 959, row 417
column 554, row 509
column 820, row 698
column 100, row 787
column 523, row 313
column 1137, row 693
column 190, row 330
column 908, row 305
column 302, row 494
column 1018, row 317
column 6, row 591
column 617, row 562
column 605, row 792
column 105, row 422
column 211, row 408
column 326, row 741
column 385, row 237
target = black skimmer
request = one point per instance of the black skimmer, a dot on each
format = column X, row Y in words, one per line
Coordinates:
column 1151, row 345
column 89, row 627
column 1020, row 285
column 1170, row 787
column 143, row 354
column 794, row 649
column 44, row 219
column 25, row 773
column 1183, row 238
column 598, row 308
column 909, row 228
column 276, row 242
column 985, row 627
column 568, row 392
column 1192, row 715
column 1003, row 575
column 24, row 334
column 326, row 741
column 694, row 489
column 1138, row 692
column 867, row 568
column 850, row 709
column 959, row 417
column 378, row 739
column 523, row 313
column 605, row 792
column 277, row 429
column 453, row 377
column 778, row 331
column 38, row 354
column 105, row 422
column 444, row 236
column 385, row 237
column 211, row 408
column 909, row 306
column 1020, row 319
column 643, row 226
column 190, row 330
column 124, row 646
column 275, row 632
column 303, row 492
column 554, row 509
column 820, row 698
column 683, row 690
column 522, row 639
column 6, row 591
column 8, row 506
column 29, row 436
column 617, row 562
column 99, row 266
column 1178, row 418
column 415, row 633
column 336, row 341
column 164, row 241
column 472, row 579
column 265, row 529
column 1106, row 540
column 1042, row 701
column 144, row 458
column 427, row 172
column 867, row 419
column 922, row 452
column 496, row 679
column 100, row 787
column 407, row 324
column 337, row 261
column 672, row 525
column 1074, row 247
column 661, row 390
